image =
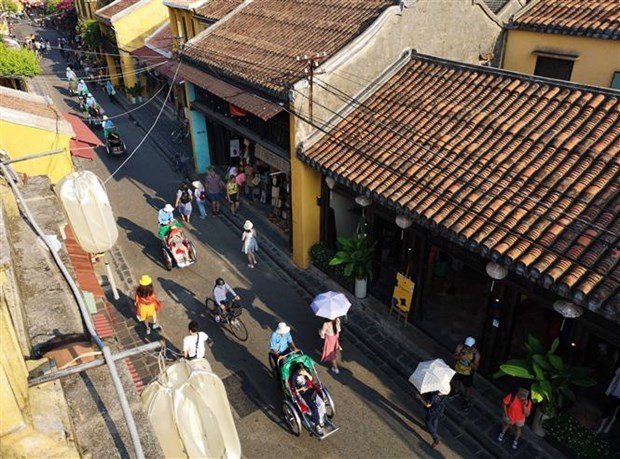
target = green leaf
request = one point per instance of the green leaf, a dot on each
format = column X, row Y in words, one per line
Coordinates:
column 556, row 361
column 568, row 393
column 517, row 371
column 542, row 361
column 538, row 372
column 18, row 63
column 554, row 346
column 584, row 382
column 535, row 344
column 536, row 393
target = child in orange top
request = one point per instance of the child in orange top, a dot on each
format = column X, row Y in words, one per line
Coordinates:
column 147, row 304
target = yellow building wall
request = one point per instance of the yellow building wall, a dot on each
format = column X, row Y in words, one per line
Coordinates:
column 178, row 18
column 306, row 214
column 18, row 140
column 598, row 58
column 18, row 438
column 131, row 30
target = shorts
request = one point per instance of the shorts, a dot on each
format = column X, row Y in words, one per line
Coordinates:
column 512, row 422
column 185, row 209
column 466, row 380
column 234, row 197
column 214, row 197
column 147, row 312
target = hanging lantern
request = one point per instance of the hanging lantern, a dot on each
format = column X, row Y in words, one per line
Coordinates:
column 363, row 201
column 496, row 272
column 331, row 182
column 403, row 222
column 567, row 310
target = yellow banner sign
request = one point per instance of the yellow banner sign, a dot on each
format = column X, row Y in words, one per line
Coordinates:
column 403, row 293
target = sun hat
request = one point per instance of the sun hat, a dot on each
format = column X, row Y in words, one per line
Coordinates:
column 248, row 225
column 196, row 184
column 283, row 329
column 168, row 208
column 145, row 280
column 105, row 117
column 470, row 342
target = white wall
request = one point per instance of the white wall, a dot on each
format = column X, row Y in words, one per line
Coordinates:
column 460, row 30
column 347, row 214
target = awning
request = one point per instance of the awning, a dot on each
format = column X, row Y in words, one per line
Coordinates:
column 84, row 140
column 161, row 64
column 249, row 102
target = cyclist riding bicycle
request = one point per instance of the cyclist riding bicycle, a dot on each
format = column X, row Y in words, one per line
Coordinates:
column 220, row 296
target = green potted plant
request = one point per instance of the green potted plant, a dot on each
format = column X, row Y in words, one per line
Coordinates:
column 356, row 255
column 553, row 379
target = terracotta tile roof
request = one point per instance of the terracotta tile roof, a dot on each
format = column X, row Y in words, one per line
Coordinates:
column 161, row 40
column 32, row 104
column 523, row 170
column 232, row 94
column 217, row 9
column 259, row 43
column 590, row 18
column 113, row 8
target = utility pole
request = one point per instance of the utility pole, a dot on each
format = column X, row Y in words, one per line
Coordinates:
column 312, row 63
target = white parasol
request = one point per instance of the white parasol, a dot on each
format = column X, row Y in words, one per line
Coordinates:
column 330, row 305
column 432, row 376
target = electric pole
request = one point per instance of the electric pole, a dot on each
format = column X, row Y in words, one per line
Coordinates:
column 312, row 63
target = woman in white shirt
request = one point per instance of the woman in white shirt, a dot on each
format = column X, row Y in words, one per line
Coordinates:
column 249, row 246
column 194, row 343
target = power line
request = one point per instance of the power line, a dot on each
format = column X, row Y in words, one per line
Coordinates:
column 410, row 159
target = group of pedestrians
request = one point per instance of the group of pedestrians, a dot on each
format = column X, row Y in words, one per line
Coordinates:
column 516, row 406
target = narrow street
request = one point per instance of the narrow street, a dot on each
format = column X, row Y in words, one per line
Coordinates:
column 377, row 419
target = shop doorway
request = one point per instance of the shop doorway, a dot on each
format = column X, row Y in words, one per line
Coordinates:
column 388, row 257
column 454, row 304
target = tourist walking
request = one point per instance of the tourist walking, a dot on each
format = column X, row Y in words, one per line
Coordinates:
column 435, row 404
column 232, row 193
column 147, row 304
column 330, row 334
column 184, row 202
column 517, row 407
column 194, row 343
column 467, row 359
column 214, row 186
column 200, row 196
column 249, row 244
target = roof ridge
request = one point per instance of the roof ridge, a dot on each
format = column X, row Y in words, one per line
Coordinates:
column 521, row 76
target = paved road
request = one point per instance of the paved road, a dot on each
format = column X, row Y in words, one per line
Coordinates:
column 376, row 418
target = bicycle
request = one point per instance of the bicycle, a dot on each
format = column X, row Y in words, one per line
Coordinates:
column 179, row 135
column 230, row 318
column 181, row 165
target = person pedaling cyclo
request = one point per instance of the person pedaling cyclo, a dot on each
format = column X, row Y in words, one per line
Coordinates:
column 220, row 295
column 303, row 384
column 108, row 126
column 82, row 89
column 281, row 343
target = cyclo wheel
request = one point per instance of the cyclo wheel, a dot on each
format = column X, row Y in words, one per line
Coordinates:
column 238, row 328
column 330, row 408
column 291, row 417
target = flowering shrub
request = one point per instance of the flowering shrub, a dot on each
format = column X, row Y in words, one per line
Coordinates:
column 567, row 433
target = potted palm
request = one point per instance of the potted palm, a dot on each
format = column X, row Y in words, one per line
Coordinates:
column 553, row 380
column 355, row 254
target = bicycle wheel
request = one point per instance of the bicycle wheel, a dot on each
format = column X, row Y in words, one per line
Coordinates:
column 210, row 307
column 237, row 328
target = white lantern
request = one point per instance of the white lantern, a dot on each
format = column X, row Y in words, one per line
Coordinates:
column 331, row 182
column 363, row 201
column 496, row 272
column 567, row 310
column 88, row 210
column 403, row 222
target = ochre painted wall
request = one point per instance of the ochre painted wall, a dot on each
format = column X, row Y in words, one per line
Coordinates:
column 598, row 58
column 19, row 140
column 131, row 30
column 306, row 216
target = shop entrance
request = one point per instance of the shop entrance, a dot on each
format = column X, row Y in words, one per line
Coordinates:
column 454, row 304
column 388, row 257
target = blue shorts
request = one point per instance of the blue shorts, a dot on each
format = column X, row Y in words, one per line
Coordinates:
column 185, row 209
column 213, row 197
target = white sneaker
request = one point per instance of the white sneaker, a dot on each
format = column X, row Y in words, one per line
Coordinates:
column 335, row 371
column 218, row 319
